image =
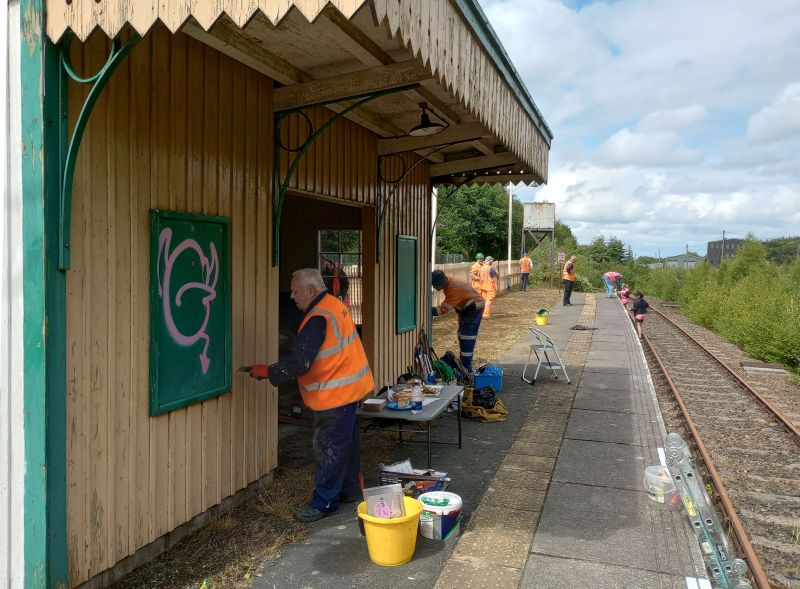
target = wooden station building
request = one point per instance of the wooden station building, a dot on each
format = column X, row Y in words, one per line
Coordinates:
column 171, row 163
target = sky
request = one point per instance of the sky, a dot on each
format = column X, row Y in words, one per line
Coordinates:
column 672, row 120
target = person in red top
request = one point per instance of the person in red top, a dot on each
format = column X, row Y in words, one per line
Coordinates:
column 333, row 375
column 468, row 304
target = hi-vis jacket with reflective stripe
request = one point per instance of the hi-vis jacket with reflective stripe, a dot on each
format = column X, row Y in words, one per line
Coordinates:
column 525, row 264
column 475, row 275
column 340, row 373
column 458, row 295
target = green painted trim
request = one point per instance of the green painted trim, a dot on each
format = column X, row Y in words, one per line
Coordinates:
column 476, row 19
column 33, row 256
column 402, row 279
column 55, row 132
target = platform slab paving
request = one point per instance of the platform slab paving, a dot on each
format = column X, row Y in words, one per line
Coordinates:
column 597, row 527
column 493, row 549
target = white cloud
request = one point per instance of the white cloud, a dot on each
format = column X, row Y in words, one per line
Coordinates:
column 778, row 120
column 631, row 148
column 672, row 120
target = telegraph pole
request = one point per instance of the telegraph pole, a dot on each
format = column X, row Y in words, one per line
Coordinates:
column 722, row 255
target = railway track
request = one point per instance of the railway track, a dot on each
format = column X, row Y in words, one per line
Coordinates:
column 750, row 448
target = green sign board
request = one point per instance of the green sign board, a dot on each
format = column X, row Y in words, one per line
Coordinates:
column 406, row 283
column 190, row 309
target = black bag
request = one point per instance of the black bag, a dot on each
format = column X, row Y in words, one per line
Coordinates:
column 485, row 397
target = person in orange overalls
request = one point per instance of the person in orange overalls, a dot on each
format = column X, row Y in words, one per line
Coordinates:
column 475, row 272
column 333, row 375
column 525, row 266
column 488, row 286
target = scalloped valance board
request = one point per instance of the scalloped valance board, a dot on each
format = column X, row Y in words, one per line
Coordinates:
column 451, row 37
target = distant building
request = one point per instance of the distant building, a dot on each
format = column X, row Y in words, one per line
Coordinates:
column 656, row 265
column 683, row 261
column 715, row 253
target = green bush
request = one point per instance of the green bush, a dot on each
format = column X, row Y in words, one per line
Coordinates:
column 747, row 301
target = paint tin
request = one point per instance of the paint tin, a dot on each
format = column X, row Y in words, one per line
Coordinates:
column 440, row 518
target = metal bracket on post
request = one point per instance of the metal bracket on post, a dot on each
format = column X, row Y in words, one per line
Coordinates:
column 279, row 188
column 69, row 146
column 383, row 203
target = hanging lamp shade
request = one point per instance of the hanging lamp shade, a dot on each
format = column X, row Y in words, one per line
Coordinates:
column 425, row 127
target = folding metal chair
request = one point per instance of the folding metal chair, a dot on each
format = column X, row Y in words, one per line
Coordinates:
column 542, row 345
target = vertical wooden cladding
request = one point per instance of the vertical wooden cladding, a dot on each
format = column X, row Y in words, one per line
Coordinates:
column 341, row 163
column 407, row 213
column 180, row 127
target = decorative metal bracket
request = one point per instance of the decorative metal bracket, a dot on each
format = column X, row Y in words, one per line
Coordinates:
column 394, row 183
column 281, row 187
column 69, row 146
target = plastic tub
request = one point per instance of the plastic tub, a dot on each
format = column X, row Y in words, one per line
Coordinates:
column 660, row 487
column 441, row 512
column 391, row 542
column 484, row 380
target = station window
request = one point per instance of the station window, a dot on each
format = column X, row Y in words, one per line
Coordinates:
column 341, row 264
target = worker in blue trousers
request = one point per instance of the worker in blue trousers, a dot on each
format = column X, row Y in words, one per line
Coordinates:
column 333, row 375
column 468, row 304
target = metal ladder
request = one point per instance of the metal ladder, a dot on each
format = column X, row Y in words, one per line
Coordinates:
column 727, row 571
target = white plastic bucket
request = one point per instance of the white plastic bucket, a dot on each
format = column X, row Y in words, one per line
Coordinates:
column 440, row 515
column 660, row 487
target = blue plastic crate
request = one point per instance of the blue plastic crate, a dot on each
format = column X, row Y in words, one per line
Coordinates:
column 484, row 380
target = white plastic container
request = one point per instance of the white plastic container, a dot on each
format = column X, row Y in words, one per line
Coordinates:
column 441, row 515
column 660, row 487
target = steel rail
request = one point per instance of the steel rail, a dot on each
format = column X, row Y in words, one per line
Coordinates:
column 756, row 569
column 771, row 408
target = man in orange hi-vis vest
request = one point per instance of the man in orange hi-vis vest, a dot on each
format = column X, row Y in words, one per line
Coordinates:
column 488, row 286
column 475, row 272
column 333, row 375
column 525, row 266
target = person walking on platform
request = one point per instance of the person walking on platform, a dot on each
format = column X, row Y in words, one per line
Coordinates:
column 333, row 375
column 468, row 305
column 525, row 266
column 612, row 280
column 489, row 278
column 475, row 272
column 569, row 276
column 639, row 312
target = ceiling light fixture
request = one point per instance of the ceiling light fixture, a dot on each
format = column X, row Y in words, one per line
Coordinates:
column 425, row 127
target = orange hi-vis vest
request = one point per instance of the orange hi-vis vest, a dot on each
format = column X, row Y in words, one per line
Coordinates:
column 525, row 265
column 488, row 282
column 340, row 373
column 458, row 296
column 571, row 276
column 475, row 275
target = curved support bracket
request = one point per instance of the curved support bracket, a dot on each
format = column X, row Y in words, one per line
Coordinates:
column 394, row 184
column 71, row 145
column 281, row 187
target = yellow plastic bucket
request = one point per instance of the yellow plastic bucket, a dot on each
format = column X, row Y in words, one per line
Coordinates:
column 541, row 319
column 391, row 542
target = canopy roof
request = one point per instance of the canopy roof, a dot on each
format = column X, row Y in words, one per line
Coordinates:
column 440, row 52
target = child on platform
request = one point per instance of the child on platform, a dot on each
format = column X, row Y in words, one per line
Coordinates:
column 625, row 295
column 639, row 312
